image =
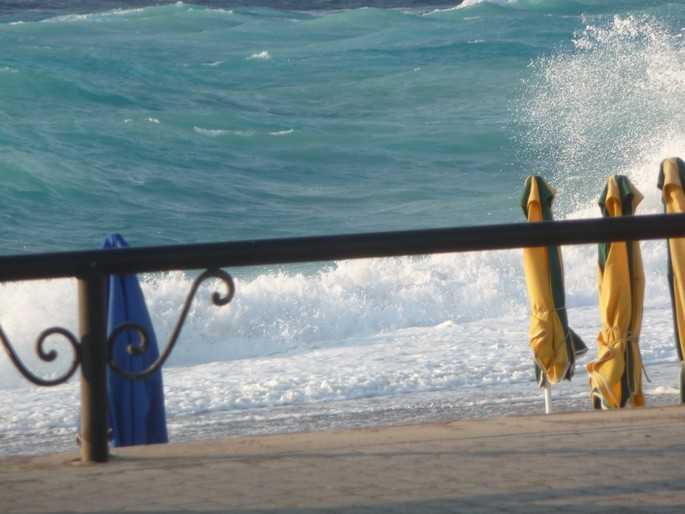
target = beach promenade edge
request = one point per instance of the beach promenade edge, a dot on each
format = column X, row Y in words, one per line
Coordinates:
column 631, row 460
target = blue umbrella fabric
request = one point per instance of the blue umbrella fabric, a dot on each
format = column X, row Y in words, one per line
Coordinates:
column 136, row 407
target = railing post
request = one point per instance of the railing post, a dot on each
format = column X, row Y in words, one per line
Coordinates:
column 93, row 330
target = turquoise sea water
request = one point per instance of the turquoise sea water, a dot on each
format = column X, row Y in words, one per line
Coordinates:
column 180, row 123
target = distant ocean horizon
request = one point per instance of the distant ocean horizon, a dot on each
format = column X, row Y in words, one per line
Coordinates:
column 43, row 8
column 179, row 122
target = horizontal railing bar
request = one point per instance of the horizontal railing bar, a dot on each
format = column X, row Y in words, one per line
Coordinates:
column 337, row 247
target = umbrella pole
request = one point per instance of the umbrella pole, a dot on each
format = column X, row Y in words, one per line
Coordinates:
column 548, row 398
column 682, row 382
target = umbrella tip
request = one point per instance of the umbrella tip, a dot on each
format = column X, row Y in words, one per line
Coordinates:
column 115, row 240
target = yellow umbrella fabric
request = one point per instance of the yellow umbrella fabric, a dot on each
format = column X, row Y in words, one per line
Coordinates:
column 671, row 180
column 550, row 340
column 616, row 373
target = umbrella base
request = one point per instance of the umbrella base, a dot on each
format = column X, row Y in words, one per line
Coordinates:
column 598, row 401
column 109, row 437
column 579, row 346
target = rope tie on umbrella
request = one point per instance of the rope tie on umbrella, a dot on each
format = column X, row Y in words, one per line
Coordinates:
column 610, row 348
column 547, row 311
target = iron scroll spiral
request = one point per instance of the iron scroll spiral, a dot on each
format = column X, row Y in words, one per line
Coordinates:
column 45, row 356
column 143, row 343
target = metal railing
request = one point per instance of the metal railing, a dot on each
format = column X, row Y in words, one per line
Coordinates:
column 93, row 348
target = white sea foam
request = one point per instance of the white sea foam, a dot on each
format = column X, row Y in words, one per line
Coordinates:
column 471, row 3
column 93, row 17
column 218, row 10
column 282, row 132
column 123, row 12
column 210, row 132
column 664, row 390
column 439, row 11
column 223, row 132
column 68, row 18
column 264, row 55
column 353, row 303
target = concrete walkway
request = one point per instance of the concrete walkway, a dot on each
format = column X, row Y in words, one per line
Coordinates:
column 629, row 461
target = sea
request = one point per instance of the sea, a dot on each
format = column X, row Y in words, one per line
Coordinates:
column 181, row 122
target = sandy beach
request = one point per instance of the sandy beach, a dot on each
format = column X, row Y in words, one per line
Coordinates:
column 619, row 461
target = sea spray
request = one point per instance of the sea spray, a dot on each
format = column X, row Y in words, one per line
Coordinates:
column 610, row 106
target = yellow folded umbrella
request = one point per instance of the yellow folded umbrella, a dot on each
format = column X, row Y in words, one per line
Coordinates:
column 616, row 373
column 554, row 345
column 671, row 181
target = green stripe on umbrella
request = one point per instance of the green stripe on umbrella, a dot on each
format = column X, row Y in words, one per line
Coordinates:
column 574, row 344
column 628, row 209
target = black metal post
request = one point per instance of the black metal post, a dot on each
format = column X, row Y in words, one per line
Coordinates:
column 682, row 382
column 93, row 328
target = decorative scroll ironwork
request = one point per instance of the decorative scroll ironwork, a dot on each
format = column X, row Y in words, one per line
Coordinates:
column 143, row 344
column 48, row 356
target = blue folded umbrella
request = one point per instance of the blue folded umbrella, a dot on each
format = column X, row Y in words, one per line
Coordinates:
column 136, row 407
